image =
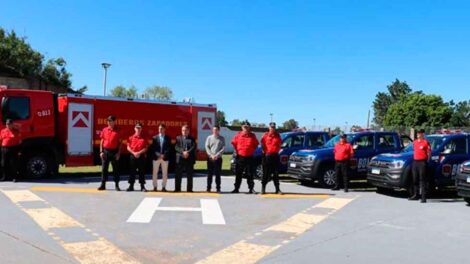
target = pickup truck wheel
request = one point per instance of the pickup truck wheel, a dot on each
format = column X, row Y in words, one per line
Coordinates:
column 38, row 166
column 467, row 199
column 328, row 178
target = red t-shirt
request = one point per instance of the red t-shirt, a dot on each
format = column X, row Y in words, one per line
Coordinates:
column 10, row 138
column 245, row 144
column 421, row 149
column 111, row 138
column 343, row 151
column 271, row 143
column 137, row 143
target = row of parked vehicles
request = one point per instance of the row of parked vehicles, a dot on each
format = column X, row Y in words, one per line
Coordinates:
column 383, row 158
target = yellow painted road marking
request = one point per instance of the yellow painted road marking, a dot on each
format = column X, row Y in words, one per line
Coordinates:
column 22, row 196
column 64, row 189
column 51, row 217
column 334, row 203
column 188, row 194
column 248, row 253
column 296, row 195
column 98, row 250
column 298, row 223
column 241, row 252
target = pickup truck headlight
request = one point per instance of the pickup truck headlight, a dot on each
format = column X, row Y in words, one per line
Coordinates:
column 397, row 164
column 311, row 157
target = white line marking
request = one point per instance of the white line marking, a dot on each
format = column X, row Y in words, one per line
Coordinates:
column 145, row 211
column 211, row 212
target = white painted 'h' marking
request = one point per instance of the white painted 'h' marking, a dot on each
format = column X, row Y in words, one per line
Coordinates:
column 210, row 209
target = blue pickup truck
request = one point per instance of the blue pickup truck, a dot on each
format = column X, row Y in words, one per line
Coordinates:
column 393, row 171
column 291, row 142
column 318, row 165
column 463, row 181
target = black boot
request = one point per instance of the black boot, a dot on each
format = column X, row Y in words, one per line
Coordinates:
column 102, row 186
column 117, row 187
column 278, row 190
column 130, row 189
column 142, row 188
column 235, row 191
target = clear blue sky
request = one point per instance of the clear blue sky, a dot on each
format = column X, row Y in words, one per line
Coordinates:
column 297, row 59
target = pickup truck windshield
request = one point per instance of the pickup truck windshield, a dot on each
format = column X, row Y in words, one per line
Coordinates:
column 434, row 141
column 332, row 142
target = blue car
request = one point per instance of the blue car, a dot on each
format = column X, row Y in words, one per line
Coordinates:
column 318, row 165
column 393, row 170
column 291, row 142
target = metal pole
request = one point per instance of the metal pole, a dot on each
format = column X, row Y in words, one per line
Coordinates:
column 105, row 67
column 368, row 119
column 271, row 114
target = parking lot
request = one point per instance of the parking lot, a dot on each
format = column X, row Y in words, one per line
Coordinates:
column 65, row 220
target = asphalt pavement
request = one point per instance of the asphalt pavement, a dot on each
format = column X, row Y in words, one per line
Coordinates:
column 66, row 220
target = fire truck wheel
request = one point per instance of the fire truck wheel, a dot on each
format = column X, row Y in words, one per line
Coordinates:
column 38, row 166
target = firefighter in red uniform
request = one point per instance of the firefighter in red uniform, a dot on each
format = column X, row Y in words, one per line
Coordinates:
column 421, row 155
column 137, row 146
column 110, row 152
column 271, row 144
column 244, row 144
column 343, row 153
column 11, row 140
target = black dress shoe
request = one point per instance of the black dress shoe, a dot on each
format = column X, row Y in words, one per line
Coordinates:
column 279, row 192
column 102, row 188
column 423, row 201
column 155, row 189
column 236, row 191
column 346, row 190
column 263, row 190
column 413, row 198
column 177, row 191
column 208, row 190
column 218, row 191
column 142, row 189
column 117, row 188
column 335, row 189
column 164, row 189
column 130, row 189
column 251, row 191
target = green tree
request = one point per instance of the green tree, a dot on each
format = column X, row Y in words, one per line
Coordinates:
column 290, row 124
column 159, row 92
column 19, row 59
column 119, row 91
column 132, row 92
column 419, row 110
column 461, row 114
column 220, row 118
column 236, row 122
column 395, row 92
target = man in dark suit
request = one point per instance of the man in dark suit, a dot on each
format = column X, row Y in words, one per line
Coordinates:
column 160, row 153
column 185, row 158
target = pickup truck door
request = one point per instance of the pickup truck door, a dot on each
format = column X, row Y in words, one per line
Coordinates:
column 454, row 152
column 363, row 151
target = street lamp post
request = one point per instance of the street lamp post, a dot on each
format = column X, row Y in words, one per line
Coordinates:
column 105, row 67
column 314, row 121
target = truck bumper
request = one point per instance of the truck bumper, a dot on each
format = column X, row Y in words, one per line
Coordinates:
column 301, row 171
column 387, row 178
column 463, row 187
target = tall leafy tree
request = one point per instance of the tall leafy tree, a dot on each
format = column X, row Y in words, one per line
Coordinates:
column 159, row 92
column 461, row 114
column 19, row 59
column 419, row 110
column 290, row 124
column 132, row 92
column 119, row 91
column 220, row 118
column 383, row 100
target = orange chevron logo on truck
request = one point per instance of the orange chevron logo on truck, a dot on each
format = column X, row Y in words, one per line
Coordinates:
column 80, row 119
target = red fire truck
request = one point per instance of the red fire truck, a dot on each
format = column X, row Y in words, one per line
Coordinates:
column 64, row 129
